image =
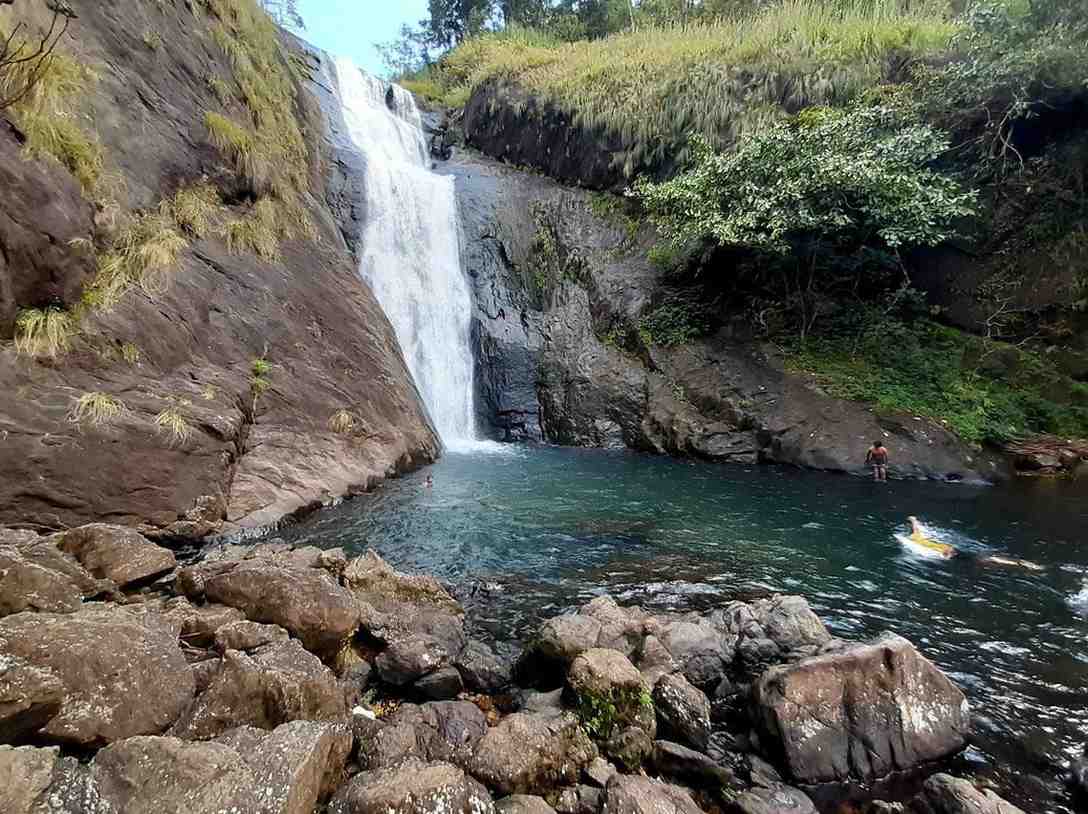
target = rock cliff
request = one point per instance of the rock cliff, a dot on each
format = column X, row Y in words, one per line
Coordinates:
column 561, row 289
column 256, row 444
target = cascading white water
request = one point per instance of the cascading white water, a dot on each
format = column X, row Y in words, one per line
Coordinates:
column 410, row 247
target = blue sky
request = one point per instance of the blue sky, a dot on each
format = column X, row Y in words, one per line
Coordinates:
column 351, row 27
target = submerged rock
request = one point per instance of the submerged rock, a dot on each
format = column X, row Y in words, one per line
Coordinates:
column 122, row 673
column 860, row 713
column 413, row 787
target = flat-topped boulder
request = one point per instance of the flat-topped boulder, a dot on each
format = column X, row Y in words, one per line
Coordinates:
column 122, row 673
column 121, row 555
column 306, row 601
column 159, row 775
column 860, row 713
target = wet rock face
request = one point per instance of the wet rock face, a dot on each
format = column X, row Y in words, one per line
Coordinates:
column 150, row 683
column 861, row 713
column 547, row 336
column 683, row 711
column 610, row 693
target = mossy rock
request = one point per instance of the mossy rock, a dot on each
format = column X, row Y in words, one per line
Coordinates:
column 609, row 694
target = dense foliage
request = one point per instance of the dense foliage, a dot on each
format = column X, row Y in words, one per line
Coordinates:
column 813, row 190
column 983, row 391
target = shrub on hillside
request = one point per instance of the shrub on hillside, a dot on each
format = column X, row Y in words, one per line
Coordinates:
column 810, row 193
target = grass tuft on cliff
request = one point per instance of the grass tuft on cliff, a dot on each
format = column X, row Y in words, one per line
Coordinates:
column 193, row 208
column 44, row 331
column 96, row 409
column 264, row 140
column 656, row 87
column 144, row 254
column 46, row 115
column 173, row 423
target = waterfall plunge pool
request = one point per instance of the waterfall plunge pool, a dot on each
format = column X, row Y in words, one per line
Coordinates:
column 524, row 533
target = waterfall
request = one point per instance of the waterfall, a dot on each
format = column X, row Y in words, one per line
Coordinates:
column 410, row 251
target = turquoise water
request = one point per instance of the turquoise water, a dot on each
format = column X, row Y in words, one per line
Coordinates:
column 523, row 533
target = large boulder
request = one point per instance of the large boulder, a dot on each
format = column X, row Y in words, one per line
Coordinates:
column 790, row 623
column 523, row 804
column 276, row 684
column 30, row 696
column 410, row 658
column 774, row 799
column 481, row 670
column 630, row 794
column 155, row 775
column 944, row 794
column 413, row 787
column 532, row 754
column 699, row 650
column 610, row 693
column 25, row 776
column 308, row 602
column 116, row 553
column 122, row 673
column 445, row 731
column 295, row 766
column 393, row 605
column 27, row 586
column 861, row 713
column 683, row 711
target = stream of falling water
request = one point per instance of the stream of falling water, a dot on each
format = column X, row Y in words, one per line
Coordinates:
column 410, row 248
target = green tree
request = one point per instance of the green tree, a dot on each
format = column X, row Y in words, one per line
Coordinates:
column 811, row 195
column 451, row 21
column 407, row 54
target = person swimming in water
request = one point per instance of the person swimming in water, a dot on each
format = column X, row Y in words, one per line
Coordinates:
column 429, row 482
column 919, row 537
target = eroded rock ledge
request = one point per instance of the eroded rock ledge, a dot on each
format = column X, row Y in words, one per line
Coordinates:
column 277, row 679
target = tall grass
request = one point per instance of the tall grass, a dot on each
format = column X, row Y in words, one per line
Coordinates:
column 657, row 86
column 46, row 115
column 265, row 141
column 44, row 331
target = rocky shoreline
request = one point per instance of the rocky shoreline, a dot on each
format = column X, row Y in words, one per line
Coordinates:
column 267, row 678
